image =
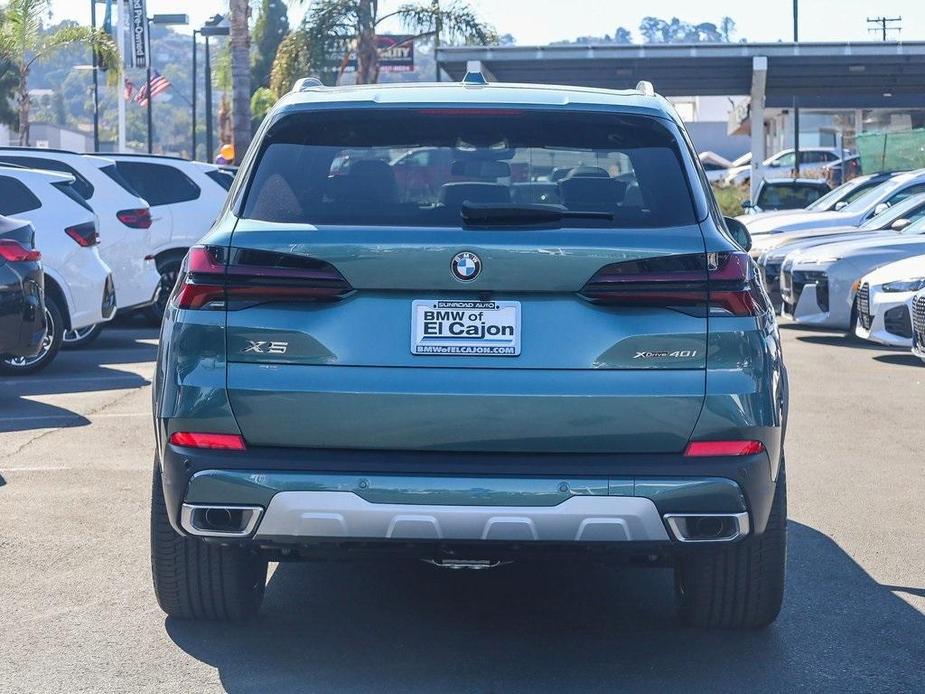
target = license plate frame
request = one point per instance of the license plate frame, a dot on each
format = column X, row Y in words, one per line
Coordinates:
column 460, row 328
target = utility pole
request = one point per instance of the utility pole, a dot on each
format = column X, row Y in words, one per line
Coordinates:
column 883, row 28
column 208, row 95
column 437, row 28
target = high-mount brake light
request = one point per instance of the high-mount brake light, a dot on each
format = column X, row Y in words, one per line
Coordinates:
column 136, row 219
column 15, row 252
column 190, row 439
column 84, row 234
column 253, row 276
column 723, row 282
column 709, row 449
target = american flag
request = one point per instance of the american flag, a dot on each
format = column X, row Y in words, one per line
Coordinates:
column 159, row 84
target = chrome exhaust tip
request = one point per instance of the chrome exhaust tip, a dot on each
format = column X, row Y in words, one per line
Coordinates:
column 708, row 527
column 219, row 521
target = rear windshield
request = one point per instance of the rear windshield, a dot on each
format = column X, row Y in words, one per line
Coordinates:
column 223, row 178
column 116, row 175
column 788, row 196
column 69, row 190
column 417, row 167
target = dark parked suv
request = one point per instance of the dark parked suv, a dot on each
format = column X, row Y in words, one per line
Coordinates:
column 22, row 298
column 465, row 375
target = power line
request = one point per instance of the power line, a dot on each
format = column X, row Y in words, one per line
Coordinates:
column 883, row 23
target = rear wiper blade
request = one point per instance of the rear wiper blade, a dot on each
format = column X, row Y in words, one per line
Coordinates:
column 509, row 213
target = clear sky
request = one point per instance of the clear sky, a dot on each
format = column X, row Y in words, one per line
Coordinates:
column 542, row 21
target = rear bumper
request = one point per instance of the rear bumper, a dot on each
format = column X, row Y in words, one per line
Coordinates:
column 23, row 309
column 307, row 495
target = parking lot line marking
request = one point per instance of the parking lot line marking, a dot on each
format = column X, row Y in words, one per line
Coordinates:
column 36, row 468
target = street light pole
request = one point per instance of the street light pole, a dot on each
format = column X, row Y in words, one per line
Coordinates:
column 214, row 26
column 150, row 112
column 195, row 31
column 96, row 86
column 208, row 95
column 796, row 109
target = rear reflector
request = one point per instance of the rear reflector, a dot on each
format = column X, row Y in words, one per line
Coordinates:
column 705, row 449
column 228, row 442
column 84, row 234
column 15, row 252
column 136, row 219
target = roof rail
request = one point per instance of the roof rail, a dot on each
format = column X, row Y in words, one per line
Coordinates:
column 474, row 75
column 645, row 88
column 301, row 85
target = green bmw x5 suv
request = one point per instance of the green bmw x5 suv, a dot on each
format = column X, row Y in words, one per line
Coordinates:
column 469, row 323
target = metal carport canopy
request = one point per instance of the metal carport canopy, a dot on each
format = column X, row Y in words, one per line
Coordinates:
column 833, row 75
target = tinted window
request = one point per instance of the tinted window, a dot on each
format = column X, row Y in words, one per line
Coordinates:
column 417, row 167
column 69, row 191
column 159, row 184
column 15, row 198
column 223, row 178
column 905, row 193
column 788, row 196
column 113, row 173
column 83, row 187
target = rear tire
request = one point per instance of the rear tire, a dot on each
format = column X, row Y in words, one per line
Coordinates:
column 194, row 579
column 21, row 366
column 169, row 272
column 740, row 586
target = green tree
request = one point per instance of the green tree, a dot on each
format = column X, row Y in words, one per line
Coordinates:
column 22, row 42
column 270, row 29
column 344, row 27
column 240, row 76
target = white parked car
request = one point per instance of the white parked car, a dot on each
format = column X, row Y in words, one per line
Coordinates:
column 873, row 202
column 785, row 194
column 895, row 218
column 819, row 285
column 884, row 298
column 124, row 220
column 185, row 198
column 79, row 290
column 835, row 199
column 917, row 308
column 714, row 166
column 812, row 160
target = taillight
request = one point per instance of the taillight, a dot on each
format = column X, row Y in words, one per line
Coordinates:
column 724, row 282
column 84, row 234
column 15, row 252
column 707, row 449
column 209, row 278
column 137, row 219
column 190, row 439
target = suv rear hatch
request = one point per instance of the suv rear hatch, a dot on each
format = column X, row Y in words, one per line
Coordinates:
column 381, row 300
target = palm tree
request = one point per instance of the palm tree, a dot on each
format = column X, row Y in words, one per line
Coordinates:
column 339, row 27
column 23, row 41
column 240, row 76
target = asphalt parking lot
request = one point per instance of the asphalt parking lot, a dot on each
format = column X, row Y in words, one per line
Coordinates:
column 77, row 612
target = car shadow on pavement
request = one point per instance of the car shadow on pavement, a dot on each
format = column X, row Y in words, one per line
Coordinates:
column 842, row 340
column 90, row 369
column 907, row 359
column 575, row 626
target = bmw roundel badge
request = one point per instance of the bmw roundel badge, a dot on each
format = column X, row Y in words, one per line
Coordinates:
column 466, row 266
